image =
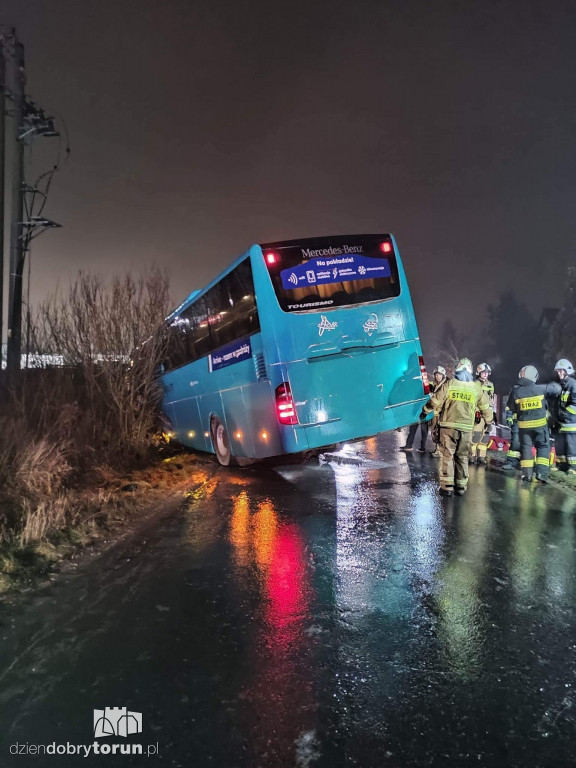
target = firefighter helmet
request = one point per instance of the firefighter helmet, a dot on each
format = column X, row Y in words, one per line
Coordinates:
column 440, row 369
column 464, row 365
column 564, row 365
column 529, row 372
column 483, row 367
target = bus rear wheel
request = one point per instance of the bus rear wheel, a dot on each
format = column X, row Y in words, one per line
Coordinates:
column 220, row 442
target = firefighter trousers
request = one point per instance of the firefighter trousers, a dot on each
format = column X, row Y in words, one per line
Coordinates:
column 513, row 458
column 540, row 440
column 454, row 449
column 480, row 440
column 565, row 450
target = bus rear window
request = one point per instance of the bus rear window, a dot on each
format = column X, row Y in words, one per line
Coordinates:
column 326, row 273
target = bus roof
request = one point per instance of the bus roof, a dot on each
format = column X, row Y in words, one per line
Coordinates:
column 326, row 240
column 305, row 242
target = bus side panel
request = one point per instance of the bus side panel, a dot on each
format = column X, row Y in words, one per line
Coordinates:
column 251, row 421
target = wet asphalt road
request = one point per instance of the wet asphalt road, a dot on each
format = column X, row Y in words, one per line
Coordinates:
column 319, row 615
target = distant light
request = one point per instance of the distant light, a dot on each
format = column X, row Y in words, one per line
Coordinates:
column 191, row 434
column 238, row 435
column 271, row 258
column 206, row 434
column 264, row 435
column 385, row 247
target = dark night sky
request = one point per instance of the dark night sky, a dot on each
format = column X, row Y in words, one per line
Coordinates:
column 198, row 128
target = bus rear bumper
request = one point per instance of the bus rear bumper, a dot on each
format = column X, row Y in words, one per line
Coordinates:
column 320, row 435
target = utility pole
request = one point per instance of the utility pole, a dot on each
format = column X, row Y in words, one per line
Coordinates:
column 15, row 81
column 2, row 200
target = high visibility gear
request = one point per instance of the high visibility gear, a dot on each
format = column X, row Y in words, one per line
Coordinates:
column 488, row 388
column 440, row 369
column 483, row 367
column 464, row 365
column 566, row 414
column 565, row 425
column 538, row 438
column 529, row 372
column 527, row 402
column 480, row 441
column 564, row 365
column 456, row 402
column 565, row 443
column 454, row 446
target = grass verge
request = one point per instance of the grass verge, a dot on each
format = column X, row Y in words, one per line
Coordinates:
column 57, row 529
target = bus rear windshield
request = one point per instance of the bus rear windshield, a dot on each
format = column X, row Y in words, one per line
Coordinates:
column 332, row 272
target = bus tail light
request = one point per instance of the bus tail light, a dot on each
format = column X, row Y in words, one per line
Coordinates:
column 424, row 374
column 285, row 408
column 271, row 257
column 386, row 247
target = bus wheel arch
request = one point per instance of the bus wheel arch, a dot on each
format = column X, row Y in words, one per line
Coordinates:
column 220, row 442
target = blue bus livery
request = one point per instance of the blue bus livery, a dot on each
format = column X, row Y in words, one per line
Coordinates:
column 298, row 345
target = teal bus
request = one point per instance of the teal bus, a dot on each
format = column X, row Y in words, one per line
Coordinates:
column 298, row 345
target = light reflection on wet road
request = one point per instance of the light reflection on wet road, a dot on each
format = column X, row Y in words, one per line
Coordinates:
column 327, row 614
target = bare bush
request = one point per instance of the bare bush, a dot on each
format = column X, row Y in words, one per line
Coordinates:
column 98, row 408
column 109, row 336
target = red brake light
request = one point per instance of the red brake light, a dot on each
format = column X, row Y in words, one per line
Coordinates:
column 385, row 247
column 271, row 258
column 285, row 408
column 424, row 374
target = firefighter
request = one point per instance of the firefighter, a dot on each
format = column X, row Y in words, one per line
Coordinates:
column 455, row 403
column 527, row 403
column 439, row 378
column 565, row 418
column 513, row 457
column 481, row 435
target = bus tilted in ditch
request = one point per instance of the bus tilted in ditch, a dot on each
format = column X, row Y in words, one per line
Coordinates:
column 297, row 346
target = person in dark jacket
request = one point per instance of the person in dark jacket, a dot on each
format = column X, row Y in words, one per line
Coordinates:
column 527, row 404
column 565, row 418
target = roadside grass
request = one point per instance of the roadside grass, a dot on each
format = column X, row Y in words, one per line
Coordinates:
column 57, row 530
column 566, row 481
column 80, row 441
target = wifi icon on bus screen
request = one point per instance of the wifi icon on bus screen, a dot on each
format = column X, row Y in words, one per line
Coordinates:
column 293, row 279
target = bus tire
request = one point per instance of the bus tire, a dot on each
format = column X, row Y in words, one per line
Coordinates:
column 220, row 442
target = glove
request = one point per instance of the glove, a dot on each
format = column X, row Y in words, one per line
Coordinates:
column 510, row 421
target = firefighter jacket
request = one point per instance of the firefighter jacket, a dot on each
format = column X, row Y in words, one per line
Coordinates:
column 434, row 385
column 456, row 402
column 488, row 388
column 566, row 414
column 527, row 404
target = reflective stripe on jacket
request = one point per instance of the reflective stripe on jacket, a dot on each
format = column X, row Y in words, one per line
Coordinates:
column 456, row 402
column 567, row 407
column 488, row 388
column 527, row 403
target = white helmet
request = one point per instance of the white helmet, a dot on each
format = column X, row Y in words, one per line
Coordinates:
column 483, row 367
column 564, row 365
column 529, row 372
column 440, row 369
column 464, row 365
